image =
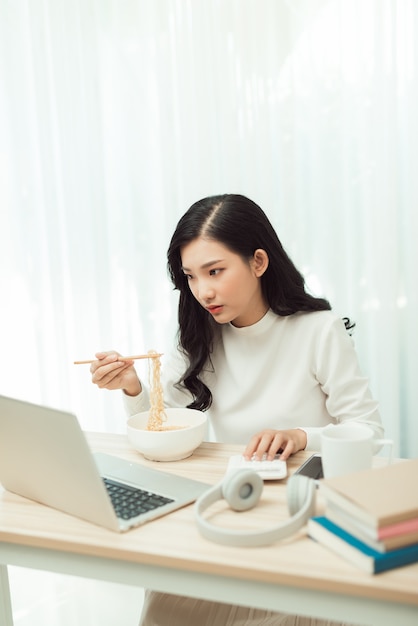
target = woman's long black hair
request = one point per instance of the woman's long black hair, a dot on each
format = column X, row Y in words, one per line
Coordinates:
column 242, row 226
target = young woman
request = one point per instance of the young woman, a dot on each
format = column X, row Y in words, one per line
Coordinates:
column 270, row 363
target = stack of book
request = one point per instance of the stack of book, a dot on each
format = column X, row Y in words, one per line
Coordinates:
column 371, row 517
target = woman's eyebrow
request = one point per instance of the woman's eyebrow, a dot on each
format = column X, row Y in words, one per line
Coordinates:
column 204, row 266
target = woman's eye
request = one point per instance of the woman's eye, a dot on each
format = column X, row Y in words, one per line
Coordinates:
column 214, row 272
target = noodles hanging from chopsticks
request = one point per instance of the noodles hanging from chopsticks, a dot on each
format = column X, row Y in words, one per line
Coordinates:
column 157, row 415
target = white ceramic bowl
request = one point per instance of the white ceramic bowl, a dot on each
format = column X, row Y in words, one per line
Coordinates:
column 168, row 445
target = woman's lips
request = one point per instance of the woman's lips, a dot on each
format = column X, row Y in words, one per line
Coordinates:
column 215, row 309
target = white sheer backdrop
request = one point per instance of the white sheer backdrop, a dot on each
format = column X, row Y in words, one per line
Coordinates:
column 116, row 115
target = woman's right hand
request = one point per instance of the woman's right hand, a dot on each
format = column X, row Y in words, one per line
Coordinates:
column 110, row 372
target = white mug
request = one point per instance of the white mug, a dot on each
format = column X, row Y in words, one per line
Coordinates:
column 349, row 448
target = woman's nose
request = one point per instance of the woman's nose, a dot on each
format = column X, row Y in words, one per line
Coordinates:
column 206, row 291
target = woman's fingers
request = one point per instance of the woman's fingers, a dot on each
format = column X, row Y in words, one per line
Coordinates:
column 272, row 442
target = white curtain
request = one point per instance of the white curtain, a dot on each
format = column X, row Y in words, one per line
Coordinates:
column 116, row 115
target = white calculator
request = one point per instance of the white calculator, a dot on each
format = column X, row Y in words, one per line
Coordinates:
column 268, row 470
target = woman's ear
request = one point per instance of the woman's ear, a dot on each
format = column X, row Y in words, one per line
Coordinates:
column 259, row 262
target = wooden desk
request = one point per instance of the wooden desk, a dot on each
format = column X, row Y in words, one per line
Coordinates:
column 295, row 575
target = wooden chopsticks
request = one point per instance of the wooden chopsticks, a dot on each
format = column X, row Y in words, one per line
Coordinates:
column 151, row 355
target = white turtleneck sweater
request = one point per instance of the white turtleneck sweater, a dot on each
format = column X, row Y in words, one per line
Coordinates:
column 299, row 371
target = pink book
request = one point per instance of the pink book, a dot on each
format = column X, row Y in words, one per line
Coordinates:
column 399, row 528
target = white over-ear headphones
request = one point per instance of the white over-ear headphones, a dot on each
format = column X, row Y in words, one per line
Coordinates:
column 242, row 491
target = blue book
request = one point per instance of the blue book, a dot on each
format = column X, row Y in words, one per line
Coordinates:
column 331, row 536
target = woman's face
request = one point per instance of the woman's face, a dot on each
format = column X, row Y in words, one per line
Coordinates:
column 223, row 283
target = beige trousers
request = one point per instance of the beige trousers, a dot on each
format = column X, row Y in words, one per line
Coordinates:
column 163, row 609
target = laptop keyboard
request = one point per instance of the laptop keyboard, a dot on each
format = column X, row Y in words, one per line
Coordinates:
column 130, row 501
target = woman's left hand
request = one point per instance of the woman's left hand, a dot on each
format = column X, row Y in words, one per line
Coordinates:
column 270, row 442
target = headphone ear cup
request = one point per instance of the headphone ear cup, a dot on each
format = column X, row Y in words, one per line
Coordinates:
column 300, row 491
column 242, row 490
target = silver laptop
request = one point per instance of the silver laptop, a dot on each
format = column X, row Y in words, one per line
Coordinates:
column 45, row 456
